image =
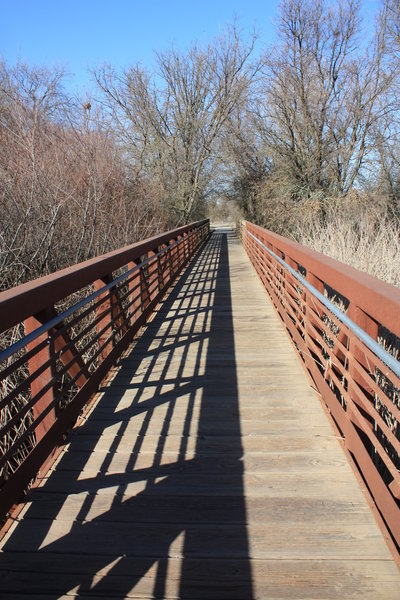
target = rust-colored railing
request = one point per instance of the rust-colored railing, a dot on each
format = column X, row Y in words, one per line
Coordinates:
column 345, row 326
column 61, row 334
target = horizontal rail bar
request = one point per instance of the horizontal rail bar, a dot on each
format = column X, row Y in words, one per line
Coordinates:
column 20, row 344
column 32, row 297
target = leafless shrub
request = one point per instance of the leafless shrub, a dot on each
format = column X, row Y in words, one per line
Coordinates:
column 65, row 188
column 65, row 195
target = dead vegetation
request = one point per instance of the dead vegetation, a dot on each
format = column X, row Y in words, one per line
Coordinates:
column 366, row 238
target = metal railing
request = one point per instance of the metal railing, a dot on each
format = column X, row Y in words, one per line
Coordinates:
column 345, row 326
column 61, row 334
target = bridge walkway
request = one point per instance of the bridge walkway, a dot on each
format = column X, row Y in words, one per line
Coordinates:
column 207, row 468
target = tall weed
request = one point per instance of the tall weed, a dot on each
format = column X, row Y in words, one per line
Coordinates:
column 365, row 240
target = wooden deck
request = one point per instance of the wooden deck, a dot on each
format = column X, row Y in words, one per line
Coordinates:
column 207, row 469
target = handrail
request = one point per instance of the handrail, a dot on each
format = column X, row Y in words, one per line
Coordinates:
column 367, row 293
column 5, row 354
column 72, row 326
column 34, row 296
column 380, row 352
column 338, row 318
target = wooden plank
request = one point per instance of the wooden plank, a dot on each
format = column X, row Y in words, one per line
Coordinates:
column 110, row 462
column 206, row 427
column 267, row 485
column 116, row 462
column 339, row 539
column 296, row 441
column 189, row 509
column 274, row 411
column 218, row 579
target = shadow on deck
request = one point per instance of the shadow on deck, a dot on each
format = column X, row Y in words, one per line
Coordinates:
column 162, row 513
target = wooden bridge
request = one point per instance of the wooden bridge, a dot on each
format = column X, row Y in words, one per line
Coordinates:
column 185, row 446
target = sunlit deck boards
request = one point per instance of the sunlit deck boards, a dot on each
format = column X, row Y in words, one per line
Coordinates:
column 208, row 468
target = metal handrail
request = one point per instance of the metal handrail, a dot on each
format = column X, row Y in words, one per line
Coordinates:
column 27, row 339
column 381, row 353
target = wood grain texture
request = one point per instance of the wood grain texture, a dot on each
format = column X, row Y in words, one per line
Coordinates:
column 207, row 469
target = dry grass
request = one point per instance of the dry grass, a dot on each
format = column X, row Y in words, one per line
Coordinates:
column 366, row 240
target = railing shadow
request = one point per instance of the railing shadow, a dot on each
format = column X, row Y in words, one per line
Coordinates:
column 164, row 512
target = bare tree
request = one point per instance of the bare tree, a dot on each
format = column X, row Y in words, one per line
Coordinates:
column 321, row 97
column 386, row 168
column 171, row 127
column 393, row 23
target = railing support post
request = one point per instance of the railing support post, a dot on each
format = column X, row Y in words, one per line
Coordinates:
column 154, row 273
column 112, row 316
column 45, row 378
column 135, row 286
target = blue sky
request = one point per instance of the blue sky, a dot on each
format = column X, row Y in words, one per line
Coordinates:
column 85, row 33
column 82, row 33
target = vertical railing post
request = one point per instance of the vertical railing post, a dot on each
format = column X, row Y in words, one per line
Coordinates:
column 175, row 255
column 369, row 326
column 103, row 313
column 192, row 241
column 153, row 270
column 111, row 316
column 180, row 251
column 166, row 264
column 45, row 378
column 309, row 306
column 172, row 254
column 184, row 247
column 357, row 355
column 290, row 281
column 135, row 291
column 144, row 283
column 160, row 267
